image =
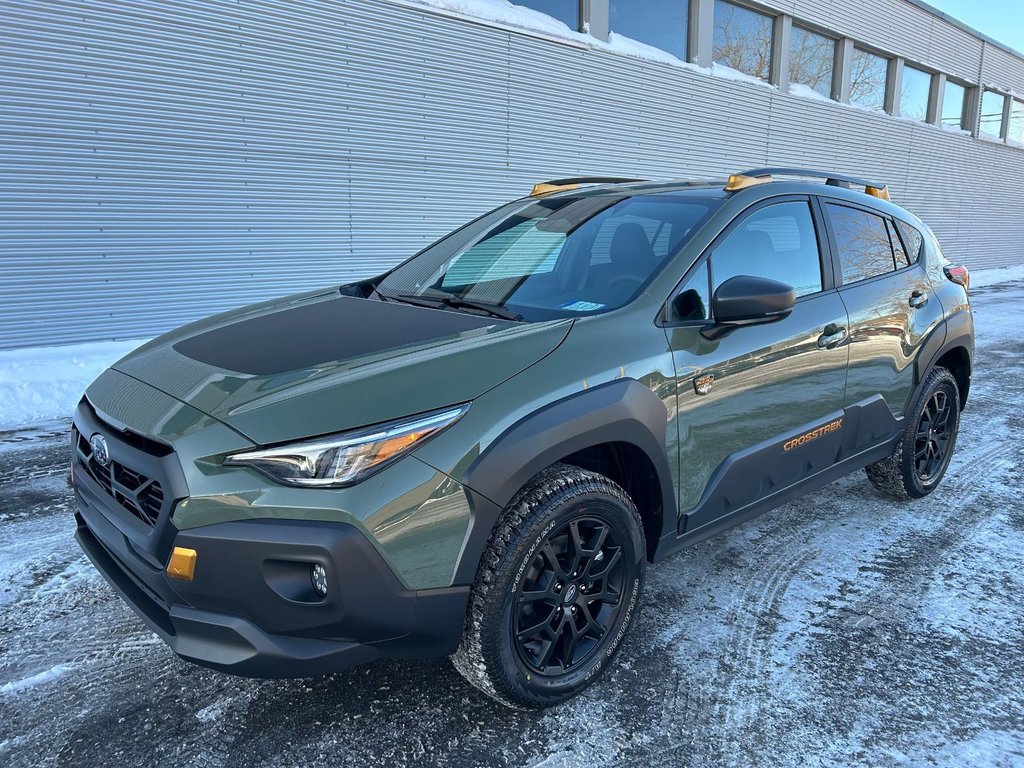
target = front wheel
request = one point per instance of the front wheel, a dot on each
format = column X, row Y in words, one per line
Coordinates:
column 557, row 589
column 921, row 457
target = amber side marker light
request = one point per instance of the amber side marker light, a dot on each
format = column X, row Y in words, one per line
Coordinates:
column 182, row 564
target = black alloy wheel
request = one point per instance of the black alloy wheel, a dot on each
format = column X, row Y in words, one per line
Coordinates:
column 569, row 597
column 557, row 589
column 923, row 451
column 932, row 439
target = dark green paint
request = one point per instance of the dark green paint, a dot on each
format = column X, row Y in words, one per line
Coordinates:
column 768, row 379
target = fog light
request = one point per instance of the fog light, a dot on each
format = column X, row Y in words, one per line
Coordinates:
column 319, row 577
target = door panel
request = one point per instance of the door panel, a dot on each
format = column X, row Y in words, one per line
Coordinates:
column 890, row 305
column 886, row 333
column 768, row 380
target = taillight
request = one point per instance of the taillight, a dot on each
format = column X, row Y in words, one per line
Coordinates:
column 958, row 275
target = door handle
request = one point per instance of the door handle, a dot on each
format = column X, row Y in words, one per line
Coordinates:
column 832, row 337
column 918, row 299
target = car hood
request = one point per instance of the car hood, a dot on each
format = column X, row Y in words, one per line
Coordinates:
column 321, row 362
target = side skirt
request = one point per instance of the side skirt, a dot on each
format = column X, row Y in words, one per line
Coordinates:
column 751, row 483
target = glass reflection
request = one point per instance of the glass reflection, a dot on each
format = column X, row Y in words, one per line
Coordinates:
column 992, row 104
column 953, row 97
column 868, row 75
column 916, row 88
column 812, row 60
column 863, row 243
column 743, row 39
column 661, row 23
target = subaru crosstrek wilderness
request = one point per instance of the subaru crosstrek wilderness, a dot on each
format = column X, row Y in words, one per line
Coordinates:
column 478, row 452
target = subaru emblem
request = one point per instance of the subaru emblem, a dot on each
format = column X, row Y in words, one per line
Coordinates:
column 100, row 452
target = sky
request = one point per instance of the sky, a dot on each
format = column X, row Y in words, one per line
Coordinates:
column 1002, row 20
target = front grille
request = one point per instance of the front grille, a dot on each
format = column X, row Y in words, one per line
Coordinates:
column 141, row 496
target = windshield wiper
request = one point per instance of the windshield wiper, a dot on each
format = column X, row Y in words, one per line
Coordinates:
column 454, row 302
column 492, row 309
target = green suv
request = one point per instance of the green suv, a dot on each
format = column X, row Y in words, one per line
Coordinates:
column 477, row 453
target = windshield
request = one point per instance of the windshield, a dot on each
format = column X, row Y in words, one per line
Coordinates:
column 559, row 257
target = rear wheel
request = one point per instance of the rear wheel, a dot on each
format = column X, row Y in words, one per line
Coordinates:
column 556, row 590
column 922, row 455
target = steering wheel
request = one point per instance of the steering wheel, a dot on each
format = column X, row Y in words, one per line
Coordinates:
column 630, row 280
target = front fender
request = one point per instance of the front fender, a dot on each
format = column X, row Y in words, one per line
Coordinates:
column 621, row 411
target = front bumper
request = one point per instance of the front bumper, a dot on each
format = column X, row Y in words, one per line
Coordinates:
column 380, row 618
column 250, row 608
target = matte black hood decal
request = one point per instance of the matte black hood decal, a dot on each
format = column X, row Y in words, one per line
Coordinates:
column 321, row 332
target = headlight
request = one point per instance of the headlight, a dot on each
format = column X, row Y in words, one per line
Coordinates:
column 348, row 457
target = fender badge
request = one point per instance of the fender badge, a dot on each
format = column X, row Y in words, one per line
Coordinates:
column 702, row 384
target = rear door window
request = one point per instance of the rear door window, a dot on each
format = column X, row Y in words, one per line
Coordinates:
column 862, row 239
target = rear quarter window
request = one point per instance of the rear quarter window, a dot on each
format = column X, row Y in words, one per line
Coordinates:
column 912, row 239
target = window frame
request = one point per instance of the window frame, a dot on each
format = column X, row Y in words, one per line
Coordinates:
column 664, row 319
column 1003, row 127
column 773, row 17
column 964, row 103
column 929, row 97
column 835, row 85
column 1015, row 102
column 837, row 266
column 887, row 94
column 687, row 27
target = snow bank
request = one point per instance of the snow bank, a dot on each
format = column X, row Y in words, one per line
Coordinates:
column 985, row 277
column 46, row 382
column 504, row 12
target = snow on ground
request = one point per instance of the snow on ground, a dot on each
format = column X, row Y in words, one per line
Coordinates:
column 983, row 278
column 43, row 383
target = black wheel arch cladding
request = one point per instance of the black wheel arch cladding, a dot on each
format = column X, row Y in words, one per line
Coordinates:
column 621, row 411
column 954, row 334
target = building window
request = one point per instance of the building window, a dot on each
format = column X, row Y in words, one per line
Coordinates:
column 661, row 23
column 868, row 76
column 1016, row 132
column 566, row 11
column 812, row 59
column 915, row 93
column 743, row 39
column 992, row 105
column 954, row 97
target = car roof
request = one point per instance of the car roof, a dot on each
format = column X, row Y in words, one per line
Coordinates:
column 716, row 189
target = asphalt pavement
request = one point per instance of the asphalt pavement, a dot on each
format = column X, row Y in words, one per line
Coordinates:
column 842, row 628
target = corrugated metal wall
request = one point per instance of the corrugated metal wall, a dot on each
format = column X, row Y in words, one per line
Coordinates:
column 160, row 161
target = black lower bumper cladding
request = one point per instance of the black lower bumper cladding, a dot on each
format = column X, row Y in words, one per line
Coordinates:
column 251, row 610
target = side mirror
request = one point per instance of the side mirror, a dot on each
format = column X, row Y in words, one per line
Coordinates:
column 748, row 300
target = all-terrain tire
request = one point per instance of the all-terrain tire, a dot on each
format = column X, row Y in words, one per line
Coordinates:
column 899, row 475
column 561, row 504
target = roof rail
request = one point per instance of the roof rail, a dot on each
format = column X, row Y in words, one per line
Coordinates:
column 561, row 185
column 832, row 179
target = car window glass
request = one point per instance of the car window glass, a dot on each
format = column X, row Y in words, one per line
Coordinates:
column 862, row 241
column 693, row 302
column 777, row 242
column 897, row 247
column 558, row 256
column 913, row 239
